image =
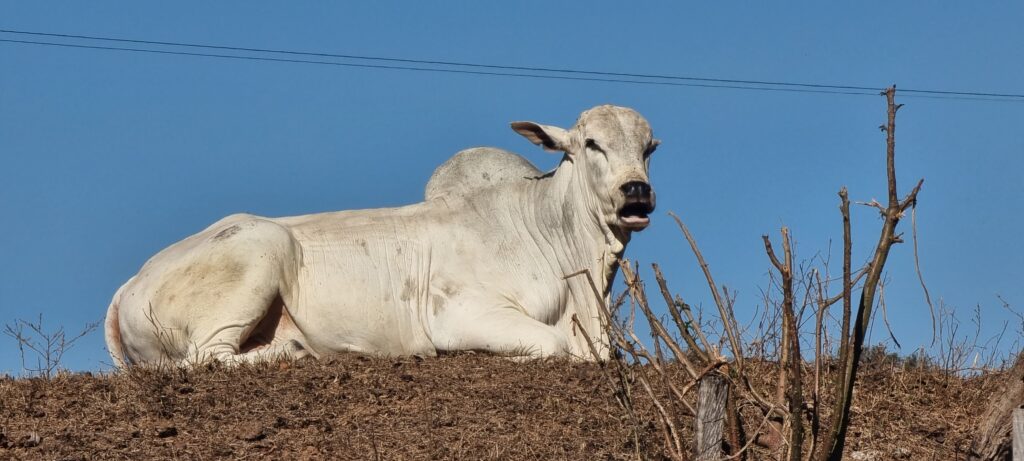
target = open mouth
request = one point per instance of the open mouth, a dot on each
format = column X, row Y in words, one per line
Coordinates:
column 634, row 215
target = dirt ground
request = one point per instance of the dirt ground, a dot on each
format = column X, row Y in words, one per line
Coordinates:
column 465, row 406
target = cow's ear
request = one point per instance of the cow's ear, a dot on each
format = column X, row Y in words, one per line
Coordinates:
column 652, row 146
column 551, row 138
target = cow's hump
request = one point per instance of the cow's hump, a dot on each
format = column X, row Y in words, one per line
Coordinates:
column 478, row 168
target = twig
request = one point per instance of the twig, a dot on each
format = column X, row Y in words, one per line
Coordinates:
column 860, row 274
column 703, row 372
column 873, row 204
column 760, row 427
column 637, row 350
column 729, row 322
column 622, row 396
column 593, row 286
column 671, row 433
column 682, row 325
column 656, row 326
column 586, row 336
column 917, row 268
column 885, row 314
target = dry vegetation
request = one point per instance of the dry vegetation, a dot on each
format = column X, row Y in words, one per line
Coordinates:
column 463, row 406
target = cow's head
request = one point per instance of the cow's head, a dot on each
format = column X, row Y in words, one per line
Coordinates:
column 612, row 147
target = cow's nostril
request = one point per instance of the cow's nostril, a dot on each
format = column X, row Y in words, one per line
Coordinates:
column 636, row 189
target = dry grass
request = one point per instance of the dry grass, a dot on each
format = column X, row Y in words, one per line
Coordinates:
column 926, row 413
column 463, row 406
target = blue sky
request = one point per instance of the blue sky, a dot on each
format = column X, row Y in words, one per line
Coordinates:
column 108, row 157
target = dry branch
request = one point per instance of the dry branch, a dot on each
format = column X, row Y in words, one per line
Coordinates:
column 683, row 325
column 850, row 356
column 790, row 380
column 657, row 328
column 728, row 320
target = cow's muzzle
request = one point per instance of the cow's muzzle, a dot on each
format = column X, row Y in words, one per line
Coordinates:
column 639, row 203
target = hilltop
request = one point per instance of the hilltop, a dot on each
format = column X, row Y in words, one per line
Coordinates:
column 464, row 406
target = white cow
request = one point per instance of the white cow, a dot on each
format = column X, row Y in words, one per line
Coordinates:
column 480, row 265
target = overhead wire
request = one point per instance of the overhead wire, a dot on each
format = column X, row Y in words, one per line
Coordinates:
column 425, row 69
column 500, row 70
column 435, row 62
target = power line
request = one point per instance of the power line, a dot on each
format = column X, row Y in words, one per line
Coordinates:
column 602, row 76
column 443, row 63
column 503, row 67
column 424, row 69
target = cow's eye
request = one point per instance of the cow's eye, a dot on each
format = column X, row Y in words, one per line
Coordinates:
column 591, row 144
column 651, row 148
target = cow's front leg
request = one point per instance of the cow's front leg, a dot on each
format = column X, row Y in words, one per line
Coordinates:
column 503, row 331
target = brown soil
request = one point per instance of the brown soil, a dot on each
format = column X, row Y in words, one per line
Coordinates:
column 464, row 406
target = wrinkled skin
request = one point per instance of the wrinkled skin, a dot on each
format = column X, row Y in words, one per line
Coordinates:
column 483, row 269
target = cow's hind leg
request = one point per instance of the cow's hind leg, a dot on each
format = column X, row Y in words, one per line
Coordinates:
column 240, row 277
column 276, row 337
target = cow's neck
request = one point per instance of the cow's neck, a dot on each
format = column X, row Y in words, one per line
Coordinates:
column 575, row 227
column 572, row 215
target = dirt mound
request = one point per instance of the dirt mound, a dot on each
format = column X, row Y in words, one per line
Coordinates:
column 456, row 407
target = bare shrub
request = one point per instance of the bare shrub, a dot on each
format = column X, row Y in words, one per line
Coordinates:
column 768, row 407
column 47, row 348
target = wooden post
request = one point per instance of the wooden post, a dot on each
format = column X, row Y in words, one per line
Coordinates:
column 1018, row 434
column 711, row 398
